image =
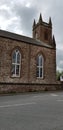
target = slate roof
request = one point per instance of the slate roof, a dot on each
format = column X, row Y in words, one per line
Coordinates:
column 22, row 38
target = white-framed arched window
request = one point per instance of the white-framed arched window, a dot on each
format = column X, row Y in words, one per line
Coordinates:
column 16, row 63
column 40, row 62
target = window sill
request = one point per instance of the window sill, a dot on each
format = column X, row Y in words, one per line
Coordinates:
column 40, row 78
column 15, row 76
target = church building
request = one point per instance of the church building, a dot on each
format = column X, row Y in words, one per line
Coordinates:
column 28, row 64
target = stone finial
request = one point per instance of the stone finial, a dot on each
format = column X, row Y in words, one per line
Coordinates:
column 50, row 22
column 40, row 19
column 34, row 23
column 54, row 42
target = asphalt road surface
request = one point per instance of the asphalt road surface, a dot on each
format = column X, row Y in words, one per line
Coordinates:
column 32, row 111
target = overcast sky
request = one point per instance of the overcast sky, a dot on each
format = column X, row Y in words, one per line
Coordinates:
column 17, row 16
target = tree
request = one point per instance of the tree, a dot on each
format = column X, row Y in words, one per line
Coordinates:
column 58, row 74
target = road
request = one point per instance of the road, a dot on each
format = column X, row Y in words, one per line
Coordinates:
column 32, row 111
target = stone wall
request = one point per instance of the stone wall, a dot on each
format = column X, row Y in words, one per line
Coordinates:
column 22, row 87
column 29, row 53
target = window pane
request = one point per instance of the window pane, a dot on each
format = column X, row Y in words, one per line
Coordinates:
column 37, row 72
column 17, row 50
column 14, row 57
column 40, row 60
column 18, row 58
column 40, row 72
column 13, row 69
column 37, row 60
column 17, row 69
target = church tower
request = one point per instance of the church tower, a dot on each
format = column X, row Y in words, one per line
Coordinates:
column 43, row 31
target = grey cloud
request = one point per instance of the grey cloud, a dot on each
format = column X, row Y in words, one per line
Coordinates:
column 6, row 2
column 6, row 9
column 55, row 11
column 5, row 13
column 26, row 16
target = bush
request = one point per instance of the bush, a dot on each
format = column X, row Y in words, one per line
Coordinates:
column 58, row 74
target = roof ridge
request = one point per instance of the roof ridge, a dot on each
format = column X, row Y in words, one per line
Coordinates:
column 23, row 38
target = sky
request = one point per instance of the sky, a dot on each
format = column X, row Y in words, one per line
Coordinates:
column 18, row 15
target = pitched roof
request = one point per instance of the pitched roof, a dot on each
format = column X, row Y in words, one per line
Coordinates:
column 22, row 38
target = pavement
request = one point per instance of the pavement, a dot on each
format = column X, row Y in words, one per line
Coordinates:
column 32, row 111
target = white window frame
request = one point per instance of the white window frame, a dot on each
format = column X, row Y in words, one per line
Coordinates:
column 16, row 64
column 40, row 66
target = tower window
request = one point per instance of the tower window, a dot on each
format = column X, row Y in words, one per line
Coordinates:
column 45, row 35
column 36, row 35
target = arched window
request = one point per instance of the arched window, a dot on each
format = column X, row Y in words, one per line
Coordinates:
column 16, row 63
column 40, row 61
